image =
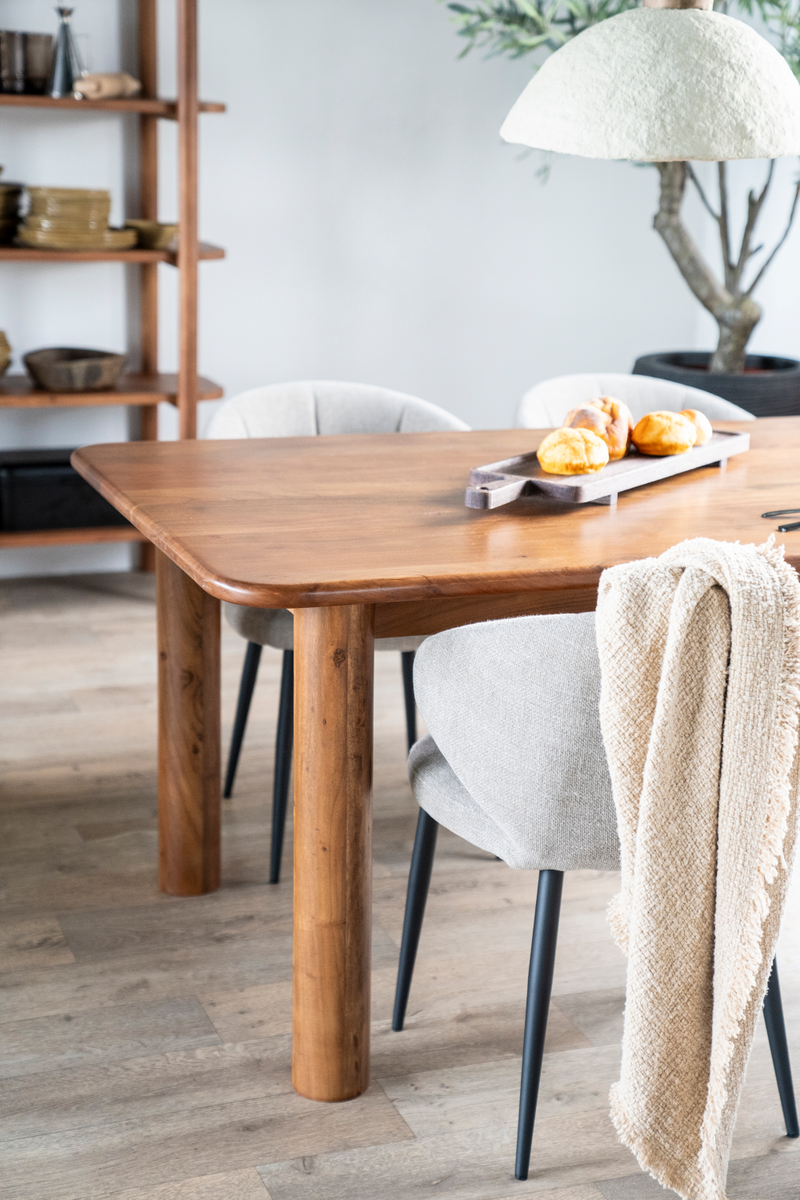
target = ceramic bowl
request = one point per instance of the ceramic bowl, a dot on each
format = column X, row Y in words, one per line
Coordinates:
column 65, row 224
column 91, row 239
column 153, row 235
column 69, row 369
column 75, row 212
column 67, row 194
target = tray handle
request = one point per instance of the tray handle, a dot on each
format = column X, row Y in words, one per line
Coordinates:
column 496, row 492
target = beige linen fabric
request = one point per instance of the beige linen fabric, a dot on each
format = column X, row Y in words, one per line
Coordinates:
column 700, row 656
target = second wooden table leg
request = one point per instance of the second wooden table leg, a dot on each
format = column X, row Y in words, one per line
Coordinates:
column 188, row 734
column 332, row 850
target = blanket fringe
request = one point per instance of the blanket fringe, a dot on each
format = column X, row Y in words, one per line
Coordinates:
column 653, row 1160
column 771, row 858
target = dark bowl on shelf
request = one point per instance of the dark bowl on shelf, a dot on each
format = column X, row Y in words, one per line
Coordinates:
column 70, row 369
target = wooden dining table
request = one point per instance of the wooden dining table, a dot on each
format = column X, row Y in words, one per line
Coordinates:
column 367, row 536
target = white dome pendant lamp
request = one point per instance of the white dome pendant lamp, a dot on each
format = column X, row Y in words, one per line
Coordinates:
column 665, row 82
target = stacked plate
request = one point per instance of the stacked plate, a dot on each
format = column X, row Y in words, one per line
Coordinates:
column 72, row 219
column 9, row 211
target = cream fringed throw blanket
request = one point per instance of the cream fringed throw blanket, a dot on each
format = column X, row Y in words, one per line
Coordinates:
column 700, row 656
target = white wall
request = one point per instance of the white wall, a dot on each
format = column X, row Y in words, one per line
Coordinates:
column 376, row 227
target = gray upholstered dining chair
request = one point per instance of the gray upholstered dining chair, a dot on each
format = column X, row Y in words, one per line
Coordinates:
column 306, row 409
column 523, row 774
column 546, row 405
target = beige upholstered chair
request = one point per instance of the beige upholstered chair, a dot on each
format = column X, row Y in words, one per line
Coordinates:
column 306, row 409
column 523, row 774
column 546, row 405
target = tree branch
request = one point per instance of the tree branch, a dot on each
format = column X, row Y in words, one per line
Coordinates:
column 711, row 294
column 697, row 184
column 764, row 266
column 724, row 230
column 753, row 209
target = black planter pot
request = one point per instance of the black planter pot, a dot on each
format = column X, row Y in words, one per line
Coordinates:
column 770, row 386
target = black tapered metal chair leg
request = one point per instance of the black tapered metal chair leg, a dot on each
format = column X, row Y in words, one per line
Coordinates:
column 283, row 764
column 419, row 879
column 540, row 985
column 407, row 660
column 252, row 658
column 779, row 1048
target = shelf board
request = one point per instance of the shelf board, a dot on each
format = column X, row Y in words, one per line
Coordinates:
column 146, row 107
column 18, row 391
column 29, row 254
column 70, row 537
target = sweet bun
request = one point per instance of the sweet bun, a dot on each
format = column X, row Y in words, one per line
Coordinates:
column 620, row 425
column 572, row 452
column 661, row 433
column 587, row 416
column 701, row 423
column 610, row 419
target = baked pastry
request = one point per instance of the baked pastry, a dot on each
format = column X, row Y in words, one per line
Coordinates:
column 661, row 433
column 701, row 423
column 614, row 423
column 572, row 452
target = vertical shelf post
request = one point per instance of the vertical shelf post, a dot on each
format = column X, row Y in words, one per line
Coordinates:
column 148, row 207
column 188, row 248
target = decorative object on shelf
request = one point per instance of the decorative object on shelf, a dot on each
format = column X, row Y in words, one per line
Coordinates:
column 116, row 85
column 69, row 369
column 5, row 353
column 38, row 61
column 9, row 211
column 72, row 219
column 12, row 60
column 67, row 66
column 664, row 86
column 153, row 235
column 25, row 60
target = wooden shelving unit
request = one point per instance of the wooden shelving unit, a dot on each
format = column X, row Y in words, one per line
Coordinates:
column 147, row 388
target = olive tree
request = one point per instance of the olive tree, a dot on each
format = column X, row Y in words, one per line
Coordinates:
column 522, row 27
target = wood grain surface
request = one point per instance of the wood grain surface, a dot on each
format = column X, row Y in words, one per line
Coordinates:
column 332, row 851
column 293, row 522
column 188, row 734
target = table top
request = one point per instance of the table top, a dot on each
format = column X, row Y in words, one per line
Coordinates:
column 298, row 522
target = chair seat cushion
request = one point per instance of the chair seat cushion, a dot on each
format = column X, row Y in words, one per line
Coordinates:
column 441, row 793
column 275, row 627
column 513, row 710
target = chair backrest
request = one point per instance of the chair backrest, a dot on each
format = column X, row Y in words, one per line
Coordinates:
column 513, row 706
column 546, row 405
column 304, row 409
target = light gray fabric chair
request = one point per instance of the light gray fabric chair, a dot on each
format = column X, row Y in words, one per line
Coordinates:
column 515, row 764
column 546, row 405
column 307, row 409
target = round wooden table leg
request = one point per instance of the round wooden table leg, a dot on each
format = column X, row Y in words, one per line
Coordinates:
column 333, row 662
column 188, row 733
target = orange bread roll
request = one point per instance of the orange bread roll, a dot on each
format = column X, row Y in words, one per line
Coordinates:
column 572, row 452
column 610, row 419
column 660, row 433
column 701, row 424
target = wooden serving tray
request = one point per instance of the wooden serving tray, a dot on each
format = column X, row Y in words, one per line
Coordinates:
column 501, row 482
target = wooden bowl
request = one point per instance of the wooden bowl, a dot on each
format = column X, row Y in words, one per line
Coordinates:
column 154, row 235
column 69, row 369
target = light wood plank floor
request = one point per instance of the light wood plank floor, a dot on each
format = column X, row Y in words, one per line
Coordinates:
column 145, row 1043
